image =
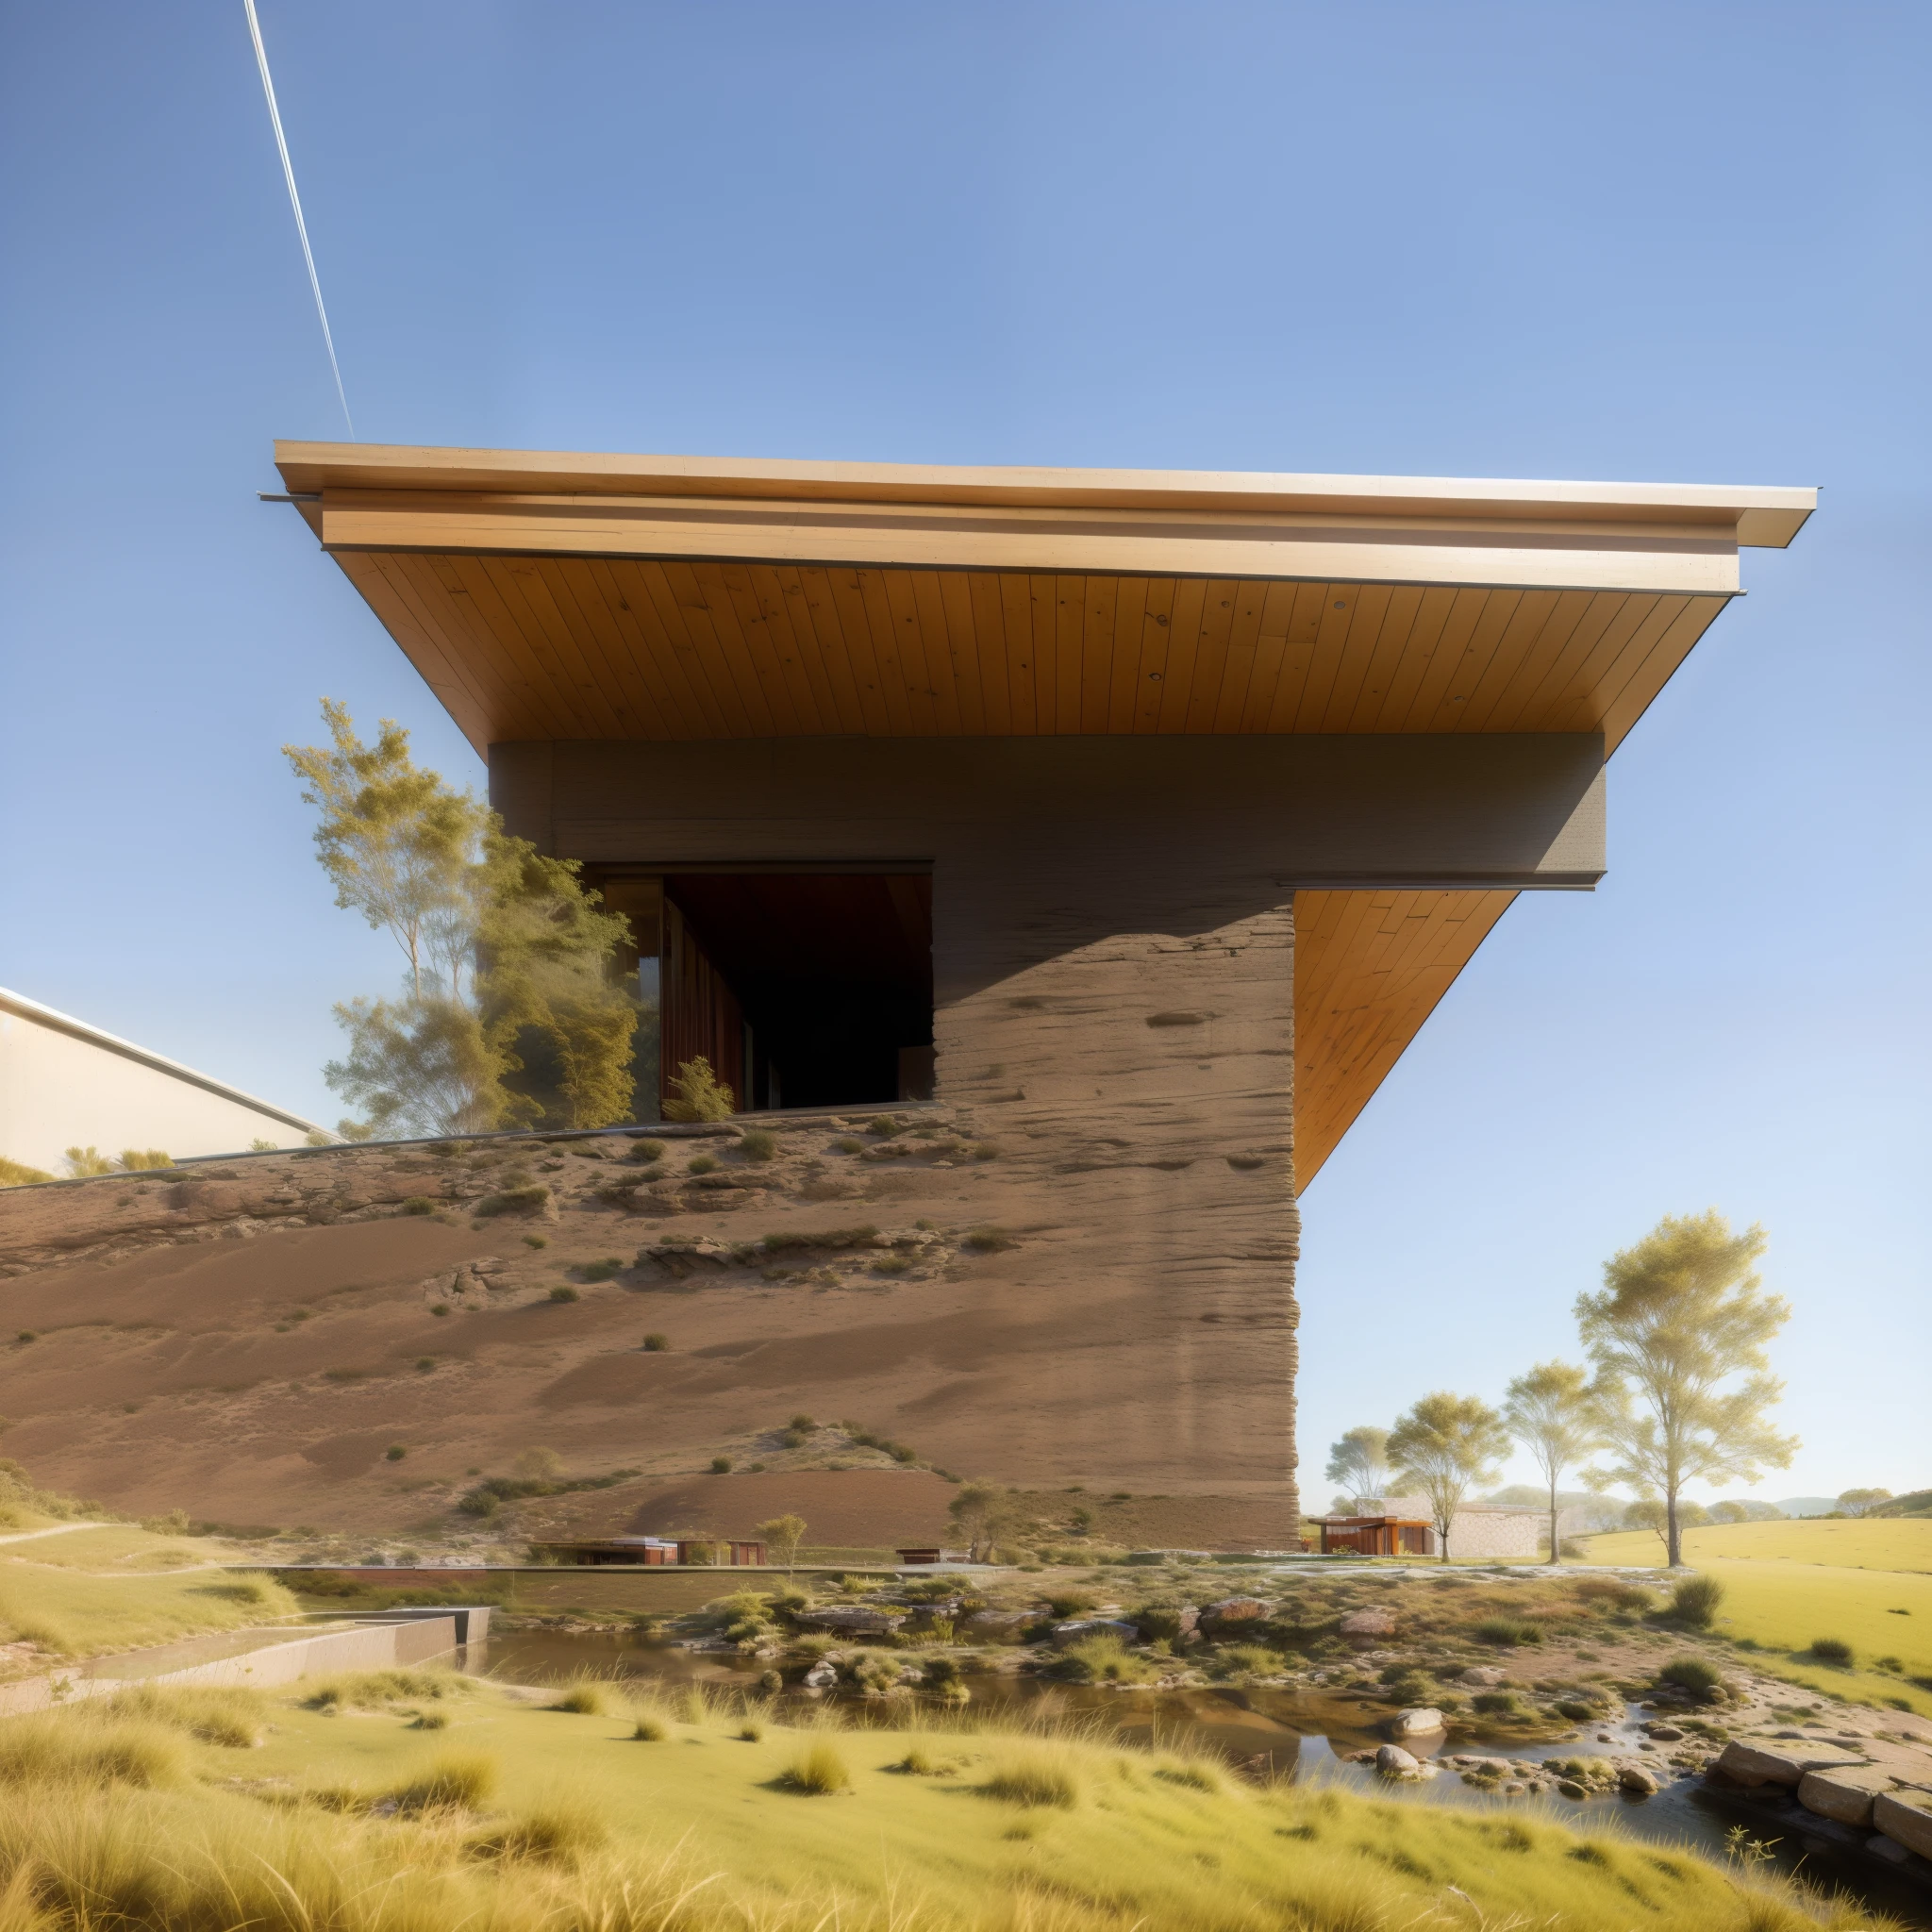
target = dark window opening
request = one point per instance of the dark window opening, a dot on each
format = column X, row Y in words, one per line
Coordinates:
column 802, row 989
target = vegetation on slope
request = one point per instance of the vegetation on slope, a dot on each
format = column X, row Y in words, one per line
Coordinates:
column 140, row 1813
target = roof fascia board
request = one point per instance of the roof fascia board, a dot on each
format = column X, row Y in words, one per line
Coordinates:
column 1678, row 558
column 1756, row 515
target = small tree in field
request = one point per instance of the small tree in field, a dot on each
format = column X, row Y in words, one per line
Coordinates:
column 1549, row 1411
column 981, row 1511
column 783, row 1535
column 1678, row 1336
column 1856, row 1502
column 1442, row 1448
column 1360, row 1462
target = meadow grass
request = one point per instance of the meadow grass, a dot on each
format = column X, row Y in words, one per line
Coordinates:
column 1784, row 1603
column 545, row 1821
column 73, row 1613
column 1874, row 1542
column 115, row 1548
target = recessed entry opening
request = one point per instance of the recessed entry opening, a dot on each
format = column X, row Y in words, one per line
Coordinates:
column 801, row 988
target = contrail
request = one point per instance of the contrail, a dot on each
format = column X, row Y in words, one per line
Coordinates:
column 274, row 114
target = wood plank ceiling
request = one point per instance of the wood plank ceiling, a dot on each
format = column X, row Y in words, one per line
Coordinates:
column 525, row 647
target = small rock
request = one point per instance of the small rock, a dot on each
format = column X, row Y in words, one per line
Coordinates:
column 1664, row 1734
column 1416, row 1721
column 1079, row 1628
column 853, row 1619
column 1368, row 1623
column 1232, row 1613
column 1484, row 1677
column 822, row 1677
column 1571, row 1788
column 1392, row 1760
column 1634, row 1778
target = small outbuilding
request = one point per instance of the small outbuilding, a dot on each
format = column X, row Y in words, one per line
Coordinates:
column 654, row 1551
column 1375, row 1535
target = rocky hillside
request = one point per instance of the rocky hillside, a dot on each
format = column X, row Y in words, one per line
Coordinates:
column 352, row 1338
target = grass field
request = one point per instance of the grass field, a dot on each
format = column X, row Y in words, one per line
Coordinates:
column 508, row 1817
column 92, row 1591
column 1863, row 1543
column 1866, row 1583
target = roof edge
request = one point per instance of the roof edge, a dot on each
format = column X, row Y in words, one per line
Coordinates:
column 1762, row 516
column 25, row 1008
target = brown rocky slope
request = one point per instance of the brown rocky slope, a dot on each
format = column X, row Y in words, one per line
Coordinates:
column 254, row 1338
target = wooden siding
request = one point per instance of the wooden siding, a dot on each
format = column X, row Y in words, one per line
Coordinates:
column 702, row 1016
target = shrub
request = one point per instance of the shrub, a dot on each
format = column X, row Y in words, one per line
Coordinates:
column 523, row 1200
column 558, row 1833
column 602, row 1271
column 395, row 1452
column 1691, row 1673
column 795, row 1438
column 563, row 1292
column 656, row 1345
column 846, row 1144
column 988, row 1241
column 701, row 1163
column 1102, row 1659
column 986, row 1151
column 700, row 1094
column 460, row 1780
column 648, row 1150
column 1506, row 1632
column 1494, row 1702
column 721, row 1465
column 430, row 1720
column 884, row 1125
column 1695, row 1600
column 52, row 1749
column 419, row 1203
column 586, row 1697
column 231, row 1719
column 425, row 1363
column 759, row 1143
column 652, row 1728
column 1833, row 1651
column 1039, row 1775
column 536, row 1241
column 891, row 1264
column 817, row 1770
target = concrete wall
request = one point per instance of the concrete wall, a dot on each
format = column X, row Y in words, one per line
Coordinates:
column 66, row 1086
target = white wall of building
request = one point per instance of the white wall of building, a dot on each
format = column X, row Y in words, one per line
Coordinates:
column 66, row 1084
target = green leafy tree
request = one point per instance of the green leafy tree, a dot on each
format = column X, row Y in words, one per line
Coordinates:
column 1677, row 1335
column 1648, row 1512
column 510, row 1015
column 1551, row 1412
column 1360, row 1462
column 982, row 1513
column 783, row 1535
column 1442, row 1448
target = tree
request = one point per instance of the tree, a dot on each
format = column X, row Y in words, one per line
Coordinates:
column 1856, row 1502
column 1443, row 1447
column 1360, row 1462
column 508, row 1015
column 700, row 1094
column 982, row 1511
column 783, row 1535
column 1648, row 1512
column 1677, row 1337
column 1549, row 1411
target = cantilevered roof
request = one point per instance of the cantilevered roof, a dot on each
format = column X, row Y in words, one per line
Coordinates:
column 548, row 595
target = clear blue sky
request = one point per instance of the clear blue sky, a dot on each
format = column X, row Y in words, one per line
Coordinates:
column 1674, row 242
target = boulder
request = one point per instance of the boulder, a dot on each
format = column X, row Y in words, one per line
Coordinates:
column 1666, row 1734
column 822, row 1677
column 852, row 1619
column 1392, row 1760
column 1232, row 1613
column 1368, row 1623
column 1843, row 1794
column 1905, row 1819
column 1636, row 1780
column 1484, row 1677
column 1569, row 1788
column 1079, row 1628
column 1418, row 1720
column 997, row 1626
column 1757, row 1764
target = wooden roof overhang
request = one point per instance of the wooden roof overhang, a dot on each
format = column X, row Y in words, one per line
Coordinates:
column 561, row 596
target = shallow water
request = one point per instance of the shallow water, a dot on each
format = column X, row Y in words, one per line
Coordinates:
column 1296, row 1734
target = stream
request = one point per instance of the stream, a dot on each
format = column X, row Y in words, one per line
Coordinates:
column 1298, row 1734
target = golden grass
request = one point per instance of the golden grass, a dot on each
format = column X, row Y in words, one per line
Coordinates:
column 72, row 1614
column 116, row 1549
column 1874, row 1542
column 547, row 1823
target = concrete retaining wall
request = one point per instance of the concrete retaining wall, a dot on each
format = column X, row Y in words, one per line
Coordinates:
column 283, row 1657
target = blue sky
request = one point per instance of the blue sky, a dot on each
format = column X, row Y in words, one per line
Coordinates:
column 1619, row 240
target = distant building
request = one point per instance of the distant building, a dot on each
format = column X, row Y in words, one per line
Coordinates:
column 65, row 1084
column 1401, row 1526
